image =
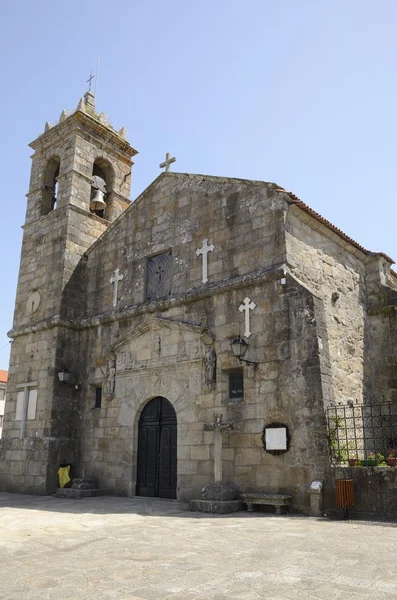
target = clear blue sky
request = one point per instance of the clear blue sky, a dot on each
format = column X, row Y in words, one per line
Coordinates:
column 299, row 92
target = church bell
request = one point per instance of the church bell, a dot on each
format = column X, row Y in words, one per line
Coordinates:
column 97, row 202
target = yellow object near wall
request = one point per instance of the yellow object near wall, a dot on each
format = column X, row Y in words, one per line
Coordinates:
column 63, row 476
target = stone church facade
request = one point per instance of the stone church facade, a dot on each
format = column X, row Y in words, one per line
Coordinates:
column 138, row 304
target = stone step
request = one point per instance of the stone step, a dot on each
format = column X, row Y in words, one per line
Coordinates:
column 75, row 494
column 221, row 507
column 84, row 483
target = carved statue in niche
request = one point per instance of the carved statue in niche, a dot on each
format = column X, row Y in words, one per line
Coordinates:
column 111, row 377
column 157, row 345
column 121, row 361
column 210, row 365
column 125, row 360
column 131, row 360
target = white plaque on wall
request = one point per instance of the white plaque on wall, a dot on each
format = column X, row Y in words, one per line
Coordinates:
column 32, row 405
column 18, row 412
column 276, row 438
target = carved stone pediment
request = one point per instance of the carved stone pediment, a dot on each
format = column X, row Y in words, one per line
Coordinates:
column 160, row 342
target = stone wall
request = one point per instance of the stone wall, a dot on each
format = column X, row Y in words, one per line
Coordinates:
column 335, row 272
column 30, row 464
column 309, row 333
column 51, row 294
column 381, row 364
column 375, row 490
column 77, row 143
column 114, row 157
column 290, row 375
column 245, row 222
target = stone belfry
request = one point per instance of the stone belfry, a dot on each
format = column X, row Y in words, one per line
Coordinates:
column 80, row 183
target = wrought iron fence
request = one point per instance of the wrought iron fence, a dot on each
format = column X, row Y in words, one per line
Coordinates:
column 362, row 432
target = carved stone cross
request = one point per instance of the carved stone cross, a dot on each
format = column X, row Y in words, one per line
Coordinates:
column 218, row 426
column 168, row 161
column 115, row 278
column 246, row 306
column 204, row 250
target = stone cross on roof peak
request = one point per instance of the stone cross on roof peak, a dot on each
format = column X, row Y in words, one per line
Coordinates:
column 168, row 161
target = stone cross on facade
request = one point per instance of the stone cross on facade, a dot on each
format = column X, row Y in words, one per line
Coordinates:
column 246, row 306
column 204, row 250
column 167, row 162
column 26, row 388
column 218, row 426
column 115, row 278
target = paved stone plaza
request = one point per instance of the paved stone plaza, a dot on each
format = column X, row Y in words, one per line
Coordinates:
column 139, row 548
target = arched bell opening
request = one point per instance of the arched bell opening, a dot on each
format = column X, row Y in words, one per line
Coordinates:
column 50, row 185
column 102, row 183
column 157, row 450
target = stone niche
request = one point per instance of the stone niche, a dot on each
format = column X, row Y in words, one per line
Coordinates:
column 164, row 358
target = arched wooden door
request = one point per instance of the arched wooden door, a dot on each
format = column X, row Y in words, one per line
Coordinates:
column 157, row 431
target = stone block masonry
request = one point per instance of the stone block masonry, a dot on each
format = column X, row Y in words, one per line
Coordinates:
column 221, row 258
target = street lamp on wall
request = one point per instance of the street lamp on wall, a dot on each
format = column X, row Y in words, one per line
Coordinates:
column 66, row 377
column 239, row 348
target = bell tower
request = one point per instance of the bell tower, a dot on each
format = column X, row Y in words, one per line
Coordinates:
column 80, row 183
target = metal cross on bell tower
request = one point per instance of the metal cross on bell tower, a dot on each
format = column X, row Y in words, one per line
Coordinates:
column 91, row 77
column 89, row 80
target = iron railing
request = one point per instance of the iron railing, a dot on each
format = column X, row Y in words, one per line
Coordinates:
column 362, row 431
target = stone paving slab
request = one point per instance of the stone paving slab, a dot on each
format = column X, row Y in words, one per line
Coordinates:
column 149, row 549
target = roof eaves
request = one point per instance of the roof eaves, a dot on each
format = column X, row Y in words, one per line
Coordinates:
column 344, row 236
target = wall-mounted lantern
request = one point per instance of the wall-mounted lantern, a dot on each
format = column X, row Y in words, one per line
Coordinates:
column 239, row 348
column 66, row 377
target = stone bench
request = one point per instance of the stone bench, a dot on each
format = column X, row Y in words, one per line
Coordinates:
column 280, row 501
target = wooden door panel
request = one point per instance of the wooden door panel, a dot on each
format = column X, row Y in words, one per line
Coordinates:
column 157, row 437
column 167, row 466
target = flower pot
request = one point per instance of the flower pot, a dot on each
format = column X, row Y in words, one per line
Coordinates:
column 352, row 462
column 392, row 462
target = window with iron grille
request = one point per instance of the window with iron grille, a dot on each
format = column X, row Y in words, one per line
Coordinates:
column 236, row 384
column 159, row 276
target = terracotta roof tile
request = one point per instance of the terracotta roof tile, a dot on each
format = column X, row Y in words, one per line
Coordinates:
column 3, row 376
column 328, row 224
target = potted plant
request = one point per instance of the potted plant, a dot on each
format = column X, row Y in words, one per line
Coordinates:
column 392, row 459
column 372, row 460
column 380, row 459
column 353, row 462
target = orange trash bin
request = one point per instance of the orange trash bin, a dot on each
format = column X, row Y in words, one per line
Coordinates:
column 344, row 493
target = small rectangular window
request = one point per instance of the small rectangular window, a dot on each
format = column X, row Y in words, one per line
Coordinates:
column 236, row 384
column 159, row 276
column 98, row 397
